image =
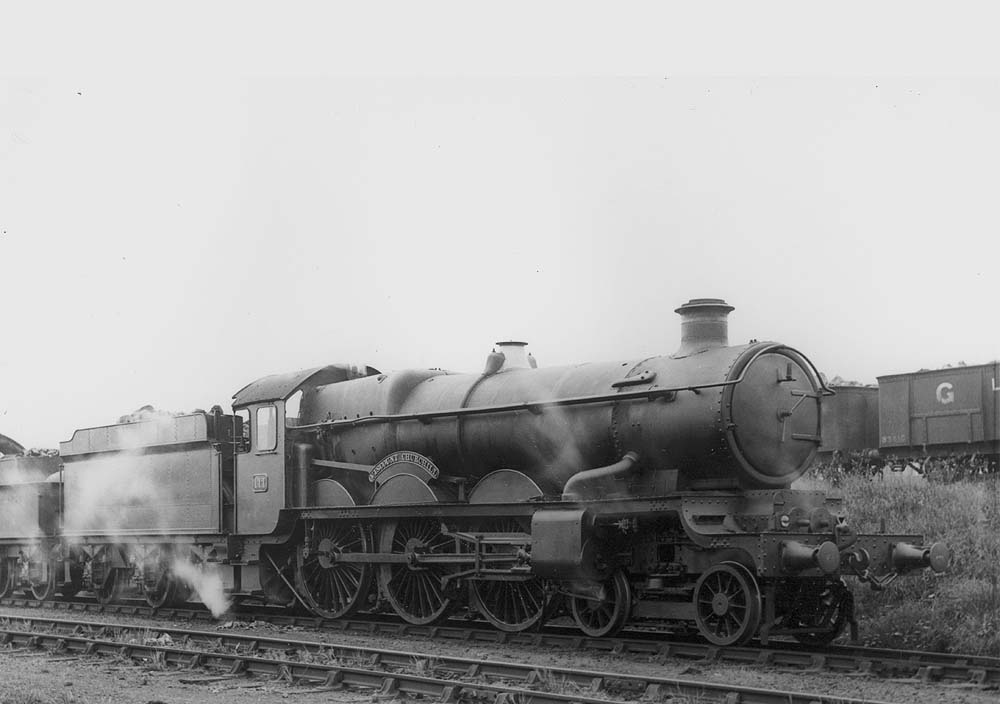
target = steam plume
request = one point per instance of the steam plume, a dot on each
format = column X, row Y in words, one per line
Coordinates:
column 206, row 581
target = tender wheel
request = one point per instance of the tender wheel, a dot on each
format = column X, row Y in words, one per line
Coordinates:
column 182, row 593
column 509, row 605
column 830, row 613
column 159, row 584
column 6, row 577
column 415, row 589
column 333, row 588
column 71, row 587
column 110, row 589
column 599, row 618
column 42, row 578
column 107, row 581
column 727, row 604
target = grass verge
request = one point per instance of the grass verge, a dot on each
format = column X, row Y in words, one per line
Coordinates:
column 958, row 611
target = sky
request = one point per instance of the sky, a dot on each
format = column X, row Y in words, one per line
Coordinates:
column 167, row 237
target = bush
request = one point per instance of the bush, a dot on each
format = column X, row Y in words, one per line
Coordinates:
column 958, row 611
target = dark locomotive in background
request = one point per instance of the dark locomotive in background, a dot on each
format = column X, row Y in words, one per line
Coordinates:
column 648, row 489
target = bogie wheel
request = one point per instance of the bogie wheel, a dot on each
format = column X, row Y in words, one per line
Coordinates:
column 509, row 605
column 603, row 617
column 333, row 588
column 727, row 604
column 831, row 611
column 414, row 589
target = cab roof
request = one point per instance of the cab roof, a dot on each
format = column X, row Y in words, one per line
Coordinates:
column 278, row 387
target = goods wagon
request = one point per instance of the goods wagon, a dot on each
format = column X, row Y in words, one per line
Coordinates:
column 849, row 420
column 951, row 411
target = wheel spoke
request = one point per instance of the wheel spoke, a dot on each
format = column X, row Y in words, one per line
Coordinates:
column 510, row 606
column 415, row 591
column 604, row 618
column 730, row 589
column 334, row 589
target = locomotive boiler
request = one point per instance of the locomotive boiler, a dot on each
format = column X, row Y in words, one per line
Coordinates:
column 656, row 489
column 711, row 415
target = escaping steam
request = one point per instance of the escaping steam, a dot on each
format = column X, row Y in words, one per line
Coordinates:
column 135, row 487
column 555, row 445
column 113, row 496
column 142, row 486
column 23, row 479
column 206, row 581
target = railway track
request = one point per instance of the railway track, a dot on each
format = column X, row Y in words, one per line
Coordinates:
column 388, row 672
column 878, row 662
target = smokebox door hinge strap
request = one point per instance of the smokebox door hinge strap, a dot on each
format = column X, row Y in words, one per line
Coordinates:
column 784, row 415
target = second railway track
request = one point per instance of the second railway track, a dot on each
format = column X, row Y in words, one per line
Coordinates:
column 976, row 670
column 386, row 672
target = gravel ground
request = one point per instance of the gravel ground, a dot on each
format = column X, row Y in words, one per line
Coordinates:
column 93, row 680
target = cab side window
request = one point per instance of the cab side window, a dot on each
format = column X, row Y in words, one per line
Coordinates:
column 266, row 430
column 242, row 429
column 293, row 409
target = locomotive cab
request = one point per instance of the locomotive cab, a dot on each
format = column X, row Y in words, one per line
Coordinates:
column 266, row 476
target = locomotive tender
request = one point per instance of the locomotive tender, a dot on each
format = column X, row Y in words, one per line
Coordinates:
column 652, row 489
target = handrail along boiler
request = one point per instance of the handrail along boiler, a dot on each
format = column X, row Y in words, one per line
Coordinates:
column 656, row 488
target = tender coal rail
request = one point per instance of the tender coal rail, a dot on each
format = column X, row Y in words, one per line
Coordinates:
column 876, row 662
column 388, row 672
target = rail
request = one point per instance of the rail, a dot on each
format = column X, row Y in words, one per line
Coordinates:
column 389, row 672
column 975, row 670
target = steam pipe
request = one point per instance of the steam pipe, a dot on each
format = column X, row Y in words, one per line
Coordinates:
column 597, row 483
column 303, row 461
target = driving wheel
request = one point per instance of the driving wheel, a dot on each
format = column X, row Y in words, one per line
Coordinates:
column 416, row 590
column 332, row 587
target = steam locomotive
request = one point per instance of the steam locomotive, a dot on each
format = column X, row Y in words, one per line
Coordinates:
column 653, row 489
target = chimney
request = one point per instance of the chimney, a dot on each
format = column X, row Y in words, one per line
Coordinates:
column 703, row 325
